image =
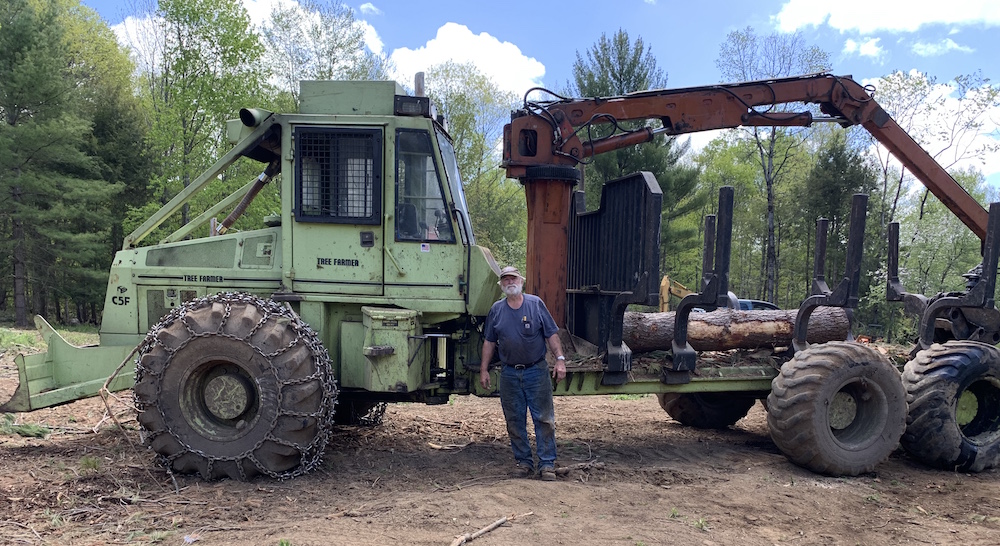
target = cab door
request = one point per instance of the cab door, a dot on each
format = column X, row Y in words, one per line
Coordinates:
column 428, row 263
column 338, row 238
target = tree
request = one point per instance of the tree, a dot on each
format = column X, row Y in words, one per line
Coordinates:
column 945, row 119
column 476, row 110
column 318, row 40
column 745, row 56
column 117, row 143
column 938, row 247
column 727, row 161
column 837, row 174
column 616, row 66
column 203, row 65
column 52, row 192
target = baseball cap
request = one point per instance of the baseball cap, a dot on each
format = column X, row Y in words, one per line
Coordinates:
column 510, row 271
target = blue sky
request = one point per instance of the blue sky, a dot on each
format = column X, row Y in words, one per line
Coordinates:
column 866, row 39
column 522, row 43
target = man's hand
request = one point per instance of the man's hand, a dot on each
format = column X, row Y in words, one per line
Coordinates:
column 484, row 370
column 559, row 371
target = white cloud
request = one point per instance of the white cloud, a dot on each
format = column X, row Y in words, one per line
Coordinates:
column 931, row 50
column 867, row 48
column 369, row 9
column 890, row 15
column 503, row 62
column 372, row 39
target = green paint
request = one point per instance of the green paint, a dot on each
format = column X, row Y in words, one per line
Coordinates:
column 385, row 269
column 968, row 407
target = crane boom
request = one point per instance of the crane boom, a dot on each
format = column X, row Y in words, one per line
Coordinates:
column 549, row 133
column 546, row 141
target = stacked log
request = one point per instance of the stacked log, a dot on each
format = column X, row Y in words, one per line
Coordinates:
column 725, row 329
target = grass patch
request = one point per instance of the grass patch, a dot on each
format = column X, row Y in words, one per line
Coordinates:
column 18, row 340
column 84, row 334
column 8, row 428
column 29, row 341
column 89, row 464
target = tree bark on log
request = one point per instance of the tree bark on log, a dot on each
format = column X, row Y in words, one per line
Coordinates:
column 725, row 329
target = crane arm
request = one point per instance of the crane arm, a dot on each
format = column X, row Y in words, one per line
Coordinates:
column 555, row 132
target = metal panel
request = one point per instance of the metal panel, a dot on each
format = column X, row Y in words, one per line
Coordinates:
column 614, row 261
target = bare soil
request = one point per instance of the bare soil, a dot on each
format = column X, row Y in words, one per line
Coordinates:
column 430, row 473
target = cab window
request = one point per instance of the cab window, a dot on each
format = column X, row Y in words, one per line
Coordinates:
column 338, row 175
column 421, row 212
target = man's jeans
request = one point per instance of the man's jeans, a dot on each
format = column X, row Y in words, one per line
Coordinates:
column 525, row 390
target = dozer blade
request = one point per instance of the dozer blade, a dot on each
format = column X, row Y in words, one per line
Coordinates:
column 65, row 372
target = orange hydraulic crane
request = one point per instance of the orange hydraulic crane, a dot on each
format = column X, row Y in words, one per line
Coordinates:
column 545, row 142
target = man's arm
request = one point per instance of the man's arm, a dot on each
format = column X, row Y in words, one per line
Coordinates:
column 559, row 373
column 489, row 348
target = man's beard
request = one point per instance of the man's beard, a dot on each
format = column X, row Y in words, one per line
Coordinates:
column 512, row 289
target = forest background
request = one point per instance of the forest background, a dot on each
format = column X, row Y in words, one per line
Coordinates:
column 98, row 134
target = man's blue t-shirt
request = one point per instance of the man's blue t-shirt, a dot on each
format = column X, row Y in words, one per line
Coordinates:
column 520, row 334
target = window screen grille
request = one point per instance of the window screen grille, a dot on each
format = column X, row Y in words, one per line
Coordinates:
column 339, row 175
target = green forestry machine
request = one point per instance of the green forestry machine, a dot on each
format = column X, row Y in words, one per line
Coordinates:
column 244, row 347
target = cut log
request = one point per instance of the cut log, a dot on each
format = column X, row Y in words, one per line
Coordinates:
column 725, row 329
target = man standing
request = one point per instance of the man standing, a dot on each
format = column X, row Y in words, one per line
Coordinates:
column 520, row 325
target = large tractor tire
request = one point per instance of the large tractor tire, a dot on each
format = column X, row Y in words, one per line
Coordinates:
column 233, row 385
column 706, row 410
column 838, row 408
column 953, row 391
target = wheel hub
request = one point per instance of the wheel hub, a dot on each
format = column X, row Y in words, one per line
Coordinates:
column 226, row 397
column 843, row 410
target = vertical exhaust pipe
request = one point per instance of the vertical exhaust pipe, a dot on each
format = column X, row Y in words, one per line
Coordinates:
column 418, row 84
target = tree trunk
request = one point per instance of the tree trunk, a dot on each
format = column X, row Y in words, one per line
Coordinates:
column 20, row 275
column 726, row 329
column 20, row 267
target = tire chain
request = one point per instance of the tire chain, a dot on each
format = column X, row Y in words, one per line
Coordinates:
column 311, row 454
column 374, row 416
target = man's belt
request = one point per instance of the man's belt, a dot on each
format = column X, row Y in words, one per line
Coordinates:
column 523, row 366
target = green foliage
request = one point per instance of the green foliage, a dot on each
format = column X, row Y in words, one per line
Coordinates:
column 8, row 427
column 58, row 230
column 745, row 56
column 476, row 110
column 89, row 464
column 729, row 161
column 936, row 248
column 616, row 66
column 207, row 65
column 17, row 340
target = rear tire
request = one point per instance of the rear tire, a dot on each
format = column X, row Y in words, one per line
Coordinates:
column 838, row 408
column 706, row 410
column 953, row 391
column 232, row 385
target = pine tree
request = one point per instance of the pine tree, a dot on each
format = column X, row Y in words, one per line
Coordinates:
column 52, row 192
column 616, row 66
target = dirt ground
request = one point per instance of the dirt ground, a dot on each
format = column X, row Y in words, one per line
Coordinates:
column 430, row 473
